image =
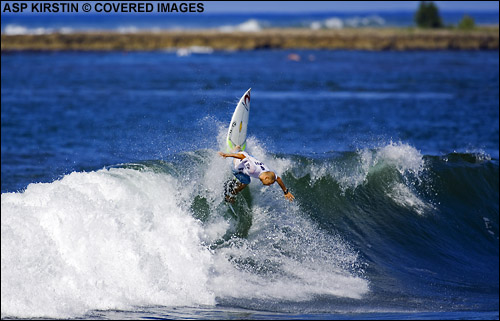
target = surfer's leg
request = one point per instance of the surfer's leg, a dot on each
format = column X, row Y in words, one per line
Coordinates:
column 239, row 188
column 229, row 187
column 234, row 186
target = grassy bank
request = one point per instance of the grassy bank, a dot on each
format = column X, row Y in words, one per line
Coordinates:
column 355, row 39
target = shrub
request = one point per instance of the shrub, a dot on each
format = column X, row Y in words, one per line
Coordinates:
column 427, row 15
column 467, row 23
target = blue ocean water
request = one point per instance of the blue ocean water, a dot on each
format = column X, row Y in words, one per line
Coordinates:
column 13, row 23
column 81, row 111
column 112, row 202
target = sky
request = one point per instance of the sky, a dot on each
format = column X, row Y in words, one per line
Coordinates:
column 341, row 6
column 319, row 6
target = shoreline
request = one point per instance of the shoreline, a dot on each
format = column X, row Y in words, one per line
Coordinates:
column 370, row 39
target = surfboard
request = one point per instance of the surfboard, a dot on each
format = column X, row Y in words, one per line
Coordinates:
column 237, row 132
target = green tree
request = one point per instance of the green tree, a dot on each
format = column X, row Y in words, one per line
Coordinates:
column 427, row 15
column 467, row 23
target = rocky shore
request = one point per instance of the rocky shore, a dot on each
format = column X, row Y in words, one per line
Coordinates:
column 485, row 38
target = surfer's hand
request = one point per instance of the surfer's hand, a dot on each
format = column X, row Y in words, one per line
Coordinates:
column 222, row 154
column 289, row 196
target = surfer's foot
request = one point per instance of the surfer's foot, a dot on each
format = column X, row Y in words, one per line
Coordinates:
column 236, row 148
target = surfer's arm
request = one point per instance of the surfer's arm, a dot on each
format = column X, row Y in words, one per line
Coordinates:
column 238, row 155
column 288, row 195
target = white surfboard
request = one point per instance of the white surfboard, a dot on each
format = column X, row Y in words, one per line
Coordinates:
column 237, row 133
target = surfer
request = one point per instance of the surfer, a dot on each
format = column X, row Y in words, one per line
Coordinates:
column 246, row 166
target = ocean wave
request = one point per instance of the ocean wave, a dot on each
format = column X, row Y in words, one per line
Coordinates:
column 14, row 30
column 350, row 22
column 251, row 25
column 158, row 232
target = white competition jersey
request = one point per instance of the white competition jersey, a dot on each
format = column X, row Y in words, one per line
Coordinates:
column 250, row 166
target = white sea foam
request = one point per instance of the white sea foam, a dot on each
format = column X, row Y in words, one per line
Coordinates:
column 334, row 23
column 351, row 22
column 410, row 164
column 404, row 196
column 15, row 30
column 368, row 21
column 402, row 157
column 251, row 25
column 118, row 238
column 100, row 240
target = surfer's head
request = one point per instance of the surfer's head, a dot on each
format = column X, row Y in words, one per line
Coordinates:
column 267, row 178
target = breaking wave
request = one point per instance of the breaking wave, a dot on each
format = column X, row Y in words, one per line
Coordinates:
column 157, row 233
